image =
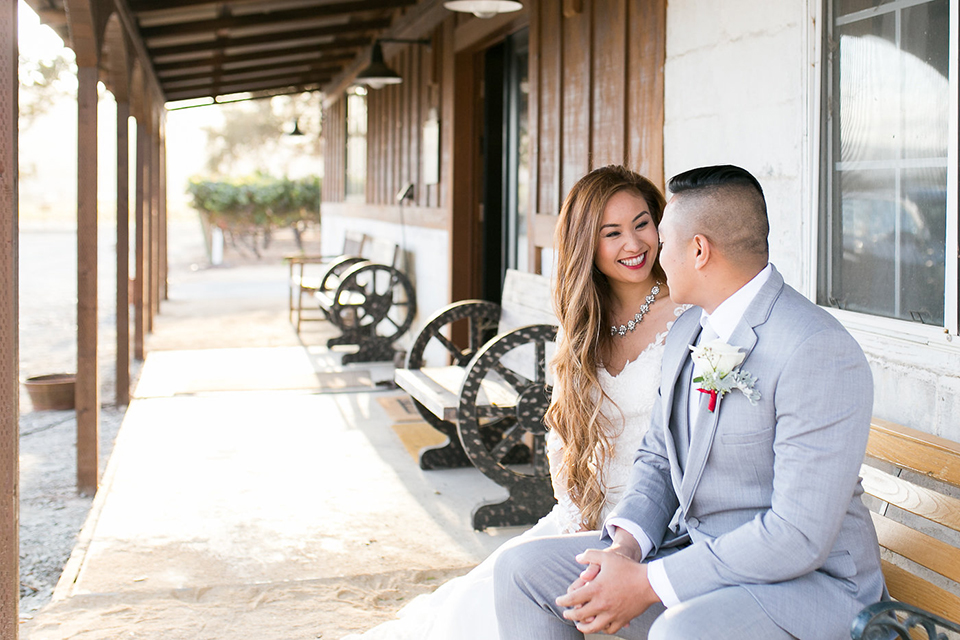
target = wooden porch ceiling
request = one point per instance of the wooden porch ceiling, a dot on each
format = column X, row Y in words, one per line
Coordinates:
column 207, row 48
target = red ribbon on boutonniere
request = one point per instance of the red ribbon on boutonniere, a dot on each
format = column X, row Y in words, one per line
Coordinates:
column 712, row 404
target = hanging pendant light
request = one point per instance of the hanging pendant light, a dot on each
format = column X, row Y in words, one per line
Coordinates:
column 483, row 8
column 377, row 74
column 296, row 128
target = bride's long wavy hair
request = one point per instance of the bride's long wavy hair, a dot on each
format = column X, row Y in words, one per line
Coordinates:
column 582, row 302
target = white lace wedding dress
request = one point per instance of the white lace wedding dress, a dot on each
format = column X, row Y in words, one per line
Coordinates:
column 462, row 609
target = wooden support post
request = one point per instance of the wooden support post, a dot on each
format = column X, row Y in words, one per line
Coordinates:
column 123, row 254
column 9, row 341
column 88, row 375
column 148, row 228
column 162, row 200
column 139, row 322
column 154, row 216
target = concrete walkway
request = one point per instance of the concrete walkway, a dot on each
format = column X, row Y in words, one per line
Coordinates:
column 257, row 489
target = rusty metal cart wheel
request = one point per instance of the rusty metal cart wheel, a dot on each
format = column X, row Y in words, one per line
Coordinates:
column 481, row 320
column 373, row 306
column 515, row 362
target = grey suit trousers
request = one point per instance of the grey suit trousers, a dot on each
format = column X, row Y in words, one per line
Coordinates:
column 529, row 577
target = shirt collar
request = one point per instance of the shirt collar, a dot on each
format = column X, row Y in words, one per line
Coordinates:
column 726, row 317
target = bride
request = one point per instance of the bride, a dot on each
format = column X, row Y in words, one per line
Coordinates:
column 614, row 308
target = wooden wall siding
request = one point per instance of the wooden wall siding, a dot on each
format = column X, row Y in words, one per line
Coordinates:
column 597, row 82
column 646, row 53
column 334, row 152
column 395, row 117
column 576, row 137
column 395, row 127
column 609, row 74
column 545, row 22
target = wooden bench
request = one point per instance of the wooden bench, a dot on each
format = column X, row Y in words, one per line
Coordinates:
column 370, row 300
column 490, row 401
column 302, row 283
column 910, row 476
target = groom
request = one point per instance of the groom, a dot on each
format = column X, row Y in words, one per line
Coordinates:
column 740, row 522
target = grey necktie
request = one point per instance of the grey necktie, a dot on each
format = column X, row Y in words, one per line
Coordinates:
column 696, row 398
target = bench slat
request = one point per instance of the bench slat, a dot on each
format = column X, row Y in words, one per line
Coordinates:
column 438, row 389
column 911, row 449
column 906, row 587
column 925, row 503
column 914, row 545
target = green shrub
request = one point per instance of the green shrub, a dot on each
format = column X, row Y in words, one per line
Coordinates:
column 248, row 208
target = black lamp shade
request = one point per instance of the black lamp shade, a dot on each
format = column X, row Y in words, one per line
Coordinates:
column 377, row 74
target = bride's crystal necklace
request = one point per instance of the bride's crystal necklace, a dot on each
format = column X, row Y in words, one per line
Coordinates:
column 638, row 318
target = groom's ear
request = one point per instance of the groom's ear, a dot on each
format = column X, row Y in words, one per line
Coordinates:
column 703, row 251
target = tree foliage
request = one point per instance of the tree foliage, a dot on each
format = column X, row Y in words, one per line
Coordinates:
column 253, row 135
column 248, row 208
column 43, row 82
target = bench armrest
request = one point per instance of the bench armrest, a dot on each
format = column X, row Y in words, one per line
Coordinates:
column 882, row 619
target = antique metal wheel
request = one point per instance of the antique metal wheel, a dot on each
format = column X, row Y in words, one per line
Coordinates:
column 331, row 277
column 481, row 320
column 376, row 300
column 505, row 392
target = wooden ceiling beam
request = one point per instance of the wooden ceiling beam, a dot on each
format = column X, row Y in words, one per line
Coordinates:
column 248, row 65
column 272, row 19
column 273, row 54
column 205, row 49
column 238, row 74
column 212, row 91
column 273, row 38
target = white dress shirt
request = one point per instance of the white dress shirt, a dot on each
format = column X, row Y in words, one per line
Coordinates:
column 723, row 321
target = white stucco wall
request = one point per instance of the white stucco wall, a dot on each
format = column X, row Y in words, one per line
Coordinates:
column 735, row 94
column 428, row 253
column 741, row 87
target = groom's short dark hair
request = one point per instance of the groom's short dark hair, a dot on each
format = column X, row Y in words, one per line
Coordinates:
column 714, row 176
column 742, row 227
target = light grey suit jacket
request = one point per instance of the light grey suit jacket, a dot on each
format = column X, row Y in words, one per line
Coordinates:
column 768, row 496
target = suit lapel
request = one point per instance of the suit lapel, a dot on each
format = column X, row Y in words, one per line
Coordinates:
column 745, row 337
column 674, row 360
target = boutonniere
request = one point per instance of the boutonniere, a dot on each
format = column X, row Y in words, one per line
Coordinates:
column 716, row 369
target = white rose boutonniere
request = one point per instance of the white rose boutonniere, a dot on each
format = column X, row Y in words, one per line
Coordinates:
column 716, row 370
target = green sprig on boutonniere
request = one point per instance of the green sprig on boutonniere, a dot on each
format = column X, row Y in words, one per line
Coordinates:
column 716, row 370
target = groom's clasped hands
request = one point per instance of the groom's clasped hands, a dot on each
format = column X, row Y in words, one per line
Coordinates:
column 595, row 602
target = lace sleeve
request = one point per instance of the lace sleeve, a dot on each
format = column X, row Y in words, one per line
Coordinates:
column 567, row 512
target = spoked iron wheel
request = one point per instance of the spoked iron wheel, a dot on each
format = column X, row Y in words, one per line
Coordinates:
column 376, row 300
column 502, row 404
column 331, row 277
column 481, row 319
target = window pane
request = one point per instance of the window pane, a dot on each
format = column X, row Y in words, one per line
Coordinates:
column 925, row 41
column 850, row 6
column 865, row 277
column 869, row 92
column 883, row 239
column 923, row 198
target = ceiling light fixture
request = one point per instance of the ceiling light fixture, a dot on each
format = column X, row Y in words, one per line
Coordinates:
column 377, row 74
column 483, row 8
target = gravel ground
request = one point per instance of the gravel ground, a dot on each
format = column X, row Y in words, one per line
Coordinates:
column 51, row 512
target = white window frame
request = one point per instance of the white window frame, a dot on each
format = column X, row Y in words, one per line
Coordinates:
column 866, row 327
